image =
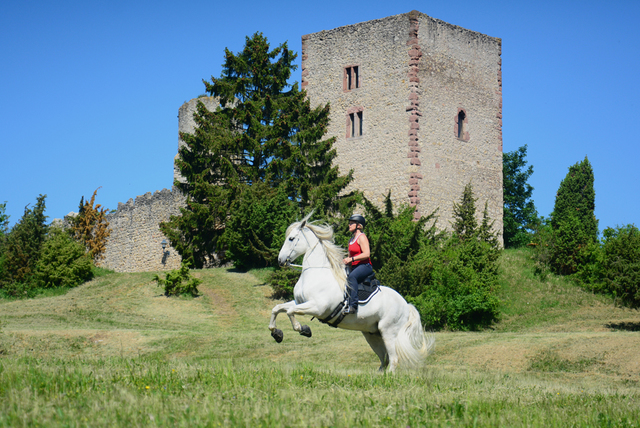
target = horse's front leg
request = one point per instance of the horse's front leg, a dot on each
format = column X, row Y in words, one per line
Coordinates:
column 276, row 333
column 306, row 308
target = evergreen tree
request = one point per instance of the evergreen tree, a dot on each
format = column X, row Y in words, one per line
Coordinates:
column 21, row 248
column 4, row 220
column 264, row 131
column 519, row 215
column 485, row 231
column 396, row 237
column 576, row 197
column 573, row 219
column 465, row 224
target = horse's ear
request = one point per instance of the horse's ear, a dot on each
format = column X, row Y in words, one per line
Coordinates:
column 304, row 220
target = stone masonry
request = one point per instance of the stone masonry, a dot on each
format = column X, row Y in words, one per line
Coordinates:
column 135, row 241
column 398, row 87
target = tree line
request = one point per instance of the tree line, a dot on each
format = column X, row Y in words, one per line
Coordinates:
column 36, row 256
column 568, row 242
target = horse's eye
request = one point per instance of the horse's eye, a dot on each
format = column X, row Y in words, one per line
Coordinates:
column 291, row 238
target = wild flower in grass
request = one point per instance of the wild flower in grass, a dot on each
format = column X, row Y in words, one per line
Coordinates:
column 146, row 387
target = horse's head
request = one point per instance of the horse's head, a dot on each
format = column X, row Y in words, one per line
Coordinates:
column 295, row 244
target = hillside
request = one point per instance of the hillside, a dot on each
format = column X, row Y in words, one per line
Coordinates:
column 549, row 326
column 116, row 352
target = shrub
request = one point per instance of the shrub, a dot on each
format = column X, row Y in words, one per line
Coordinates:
column 179, row 282
column 619, row 264
column 396, row 236
column 62, row 262
column 570, row 242
column 19, row 290
column 452, row 285
column 452, row 282
column 283, row 281
column 91, row 227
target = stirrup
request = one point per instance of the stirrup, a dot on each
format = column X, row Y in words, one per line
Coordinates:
column 350, row 310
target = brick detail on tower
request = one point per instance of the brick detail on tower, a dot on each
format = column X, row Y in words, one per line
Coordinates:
column 414, row 111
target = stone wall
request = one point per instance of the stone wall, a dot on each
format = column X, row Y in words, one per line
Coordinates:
column 417, row 76
column 188, row 125
column 135, row 241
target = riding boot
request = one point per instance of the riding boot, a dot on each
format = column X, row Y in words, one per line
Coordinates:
column 350, row 310
column 352, row 306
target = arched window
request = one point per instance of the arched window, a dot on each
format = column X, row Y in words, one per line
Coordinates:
column 461, row 117
column 461, row 128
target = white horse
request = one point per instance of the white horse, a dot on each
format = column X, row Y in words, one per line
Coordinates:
column 390, row 325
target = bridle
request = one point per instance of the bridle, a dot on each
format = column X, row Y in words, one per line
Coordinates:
column 288, row 259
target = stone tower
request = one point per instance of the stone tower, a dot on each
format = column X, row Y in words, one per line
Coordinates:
column 416, row 106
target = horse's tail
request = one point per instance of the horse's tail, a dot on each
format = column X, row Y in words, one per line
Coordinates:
column 413, row 344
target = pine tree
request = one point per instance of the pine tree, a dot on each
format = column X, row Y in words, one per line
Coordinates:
column 264, row 131
column 576, row 197
column 21, row 248
column 465, row 224
column 573, row 219
column 519, row 215
column 4, row 220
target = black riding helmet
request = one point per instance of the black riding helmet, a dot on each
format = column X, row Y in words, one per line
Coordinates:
column 358, row 219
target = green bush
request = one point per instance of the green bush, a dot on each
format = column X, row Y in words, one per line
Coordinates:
column 614, row 267
column 452, row 285
column 179, row 282
column 450, row 278
column 19, row 290
column 283, row 281
column 575, row 227
column 63, row 262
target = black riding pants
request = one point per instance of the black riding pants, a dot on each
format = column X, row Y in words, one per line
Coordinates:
column 356, row 276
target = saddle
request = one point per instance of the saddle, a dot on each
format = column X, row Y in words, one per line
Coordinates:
column 366, row 290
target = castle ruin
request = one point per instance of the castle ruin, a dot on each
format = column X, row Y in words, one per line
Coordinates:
column 416, row 109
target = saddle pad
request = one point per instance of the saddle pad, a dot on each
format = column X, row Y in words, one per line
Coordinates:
column 367, row 290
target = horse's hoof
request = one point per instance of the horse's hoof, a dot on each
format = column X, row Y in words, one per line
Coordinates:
column 305, row 331
column 277, row 335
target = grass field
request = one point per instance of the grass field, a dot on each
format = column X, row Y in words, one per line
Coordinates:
column 116, row 352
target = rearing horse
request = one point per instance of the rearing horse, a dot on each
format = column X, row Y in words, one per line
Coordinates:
column 390, row 325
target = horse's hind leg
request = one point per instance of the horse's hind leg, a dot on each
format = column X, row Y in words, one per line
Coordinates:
column 377, row 344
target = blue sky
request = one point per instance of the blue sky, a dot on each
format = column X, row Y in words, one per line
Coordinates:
column 90, row 90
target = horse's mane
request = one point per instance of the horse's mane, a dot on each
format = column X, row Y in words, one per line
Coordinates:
column 335, row 254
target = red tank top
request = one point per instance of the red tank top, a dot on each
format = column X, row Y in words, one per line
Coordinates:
column 355, row 250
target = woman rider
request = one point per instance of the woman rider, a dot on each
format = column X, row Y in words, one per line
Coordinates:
column 359, row 260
